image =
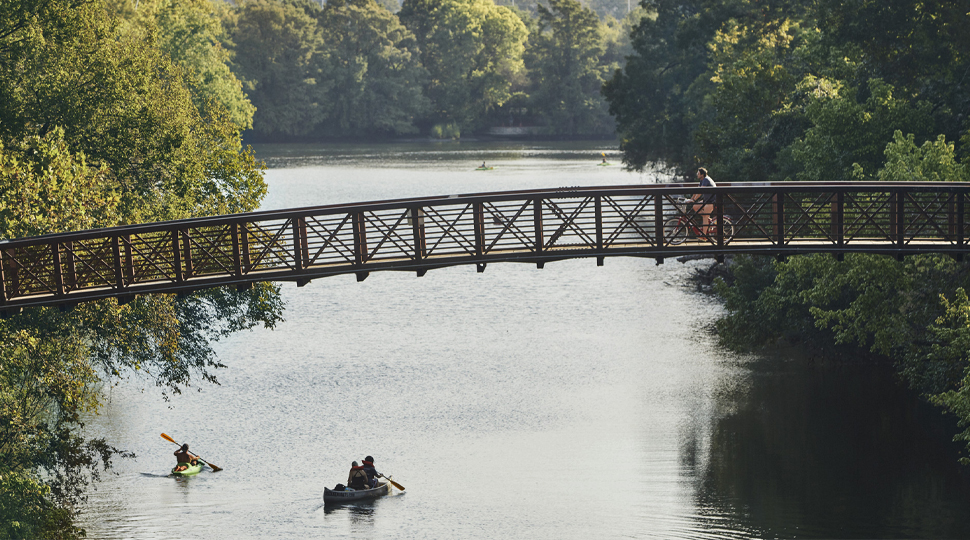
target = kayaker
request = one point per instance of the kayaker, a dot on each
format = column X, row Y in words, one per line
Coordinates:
column 357, row 478
column 184, row 458
column 372, row 474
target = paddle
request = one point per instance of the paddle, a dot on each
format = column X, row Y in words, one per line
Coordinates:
column 211, row 466
column 393, row 483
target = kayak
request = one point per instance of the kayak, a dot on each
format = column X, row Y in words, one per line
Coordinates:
column 603, row 164
column 353, row 495
column 484, row 168
column 191, row 471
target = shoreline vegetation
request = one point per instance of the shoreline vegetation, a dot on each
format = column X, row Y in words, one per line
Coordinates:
column 818, row 91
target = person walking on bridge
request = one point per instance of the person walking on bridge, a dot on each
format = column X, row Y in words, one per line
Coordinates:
column 704, row 202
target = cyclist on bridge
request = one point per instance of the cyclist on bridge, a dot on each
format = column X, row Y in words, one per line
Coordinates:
column 704, row 203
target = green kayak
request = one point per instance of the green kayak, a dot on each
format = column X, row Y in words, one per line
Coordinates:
column 191, row 471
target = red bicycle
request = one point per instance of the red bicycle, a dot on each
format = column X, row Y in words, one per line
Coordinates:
column 678, row 228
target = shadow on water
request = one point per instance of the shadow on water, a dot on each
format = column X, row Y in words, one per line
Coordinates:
column 825, row 449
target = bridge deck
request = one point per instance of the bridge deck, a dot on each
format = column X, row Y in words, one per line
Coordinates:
column 535, row 226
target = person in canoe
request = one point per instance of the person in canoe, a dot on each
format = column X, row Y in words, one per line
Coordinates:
column 184, row 458
column 372, row 474
column 358, row 477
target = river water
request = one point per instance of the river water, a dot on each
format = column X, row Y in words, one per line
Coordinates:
column 574, row 401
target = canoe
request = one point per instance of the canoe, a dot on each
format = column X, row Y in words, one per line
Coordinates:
column 191, row 471
column 351, row 495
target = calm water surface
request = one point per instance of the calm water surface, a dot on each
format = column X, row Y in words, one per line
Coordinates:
column 568, row 402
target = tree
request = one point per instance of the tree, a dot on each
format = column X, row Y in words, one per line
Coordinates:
column 375, row 71
column 472, row 50
column 567, row 74
column 99, row 127
column 280, row 61
column 650, row 97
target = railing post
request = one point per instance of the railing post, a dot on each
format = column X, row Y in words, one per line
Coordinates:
column 951, row 207
column 479, row 222
column 537, row 222
column 417, row 233
column 960, row 208
column 177, row 256
column 899, row 219
column 778, row 217
column 360, row 239
column 187, row 248
column 837, row 216
column 236, row 259
column 14, row 276
column 3, row 278
column 598, row 213
column 297, row 243
column 658, row 220
column 119, row 274
column 247, row 263
column 719, row 214
column 129, row 261
column 70, row 280
column 58, row 275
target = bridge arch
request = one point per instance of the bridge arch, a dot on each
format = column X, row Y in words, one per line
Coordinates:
column 533, row 226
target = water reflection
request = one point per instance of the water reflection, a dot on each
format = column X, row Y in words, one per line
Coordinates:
column 809, row 449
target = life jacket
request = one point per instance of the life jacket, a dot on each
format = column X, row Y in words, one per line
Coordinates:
column 358, row 478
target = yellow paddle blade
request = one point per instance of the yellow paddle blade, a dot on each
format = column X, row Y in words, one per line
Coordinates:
column 395, row 484
column 211, row 466
column 169, row 439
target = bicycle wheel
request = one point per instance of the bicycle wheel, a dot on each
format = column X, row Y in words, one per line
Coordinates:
column 728, row 229
column 675, row 231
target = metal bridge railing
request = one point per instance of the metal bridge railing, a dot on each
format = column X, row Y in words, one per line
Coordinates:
column 533, row 226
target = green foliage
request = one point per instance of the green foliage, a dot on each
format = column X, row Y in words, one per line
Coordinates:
column 25, row 510
column 445, row 131
column 279, row 58
column 565, row 53
column 192, row 34
column 44, row 188
column 950, row 354
column 374, row 69
column 472, row 50
column 817, row 91
column 848, row 135
column 935, row 161
column 99, row 127
column 752, row 113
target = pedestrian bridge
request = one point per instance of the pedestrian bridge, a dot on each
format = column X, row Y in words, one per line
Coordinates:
column 535, row 226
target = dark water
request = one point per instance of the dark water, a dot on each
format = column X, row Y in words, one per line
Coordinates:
column 569, row 402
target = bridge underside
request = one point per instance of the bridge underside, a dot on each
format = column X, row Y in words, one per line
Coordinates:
column 537, row 226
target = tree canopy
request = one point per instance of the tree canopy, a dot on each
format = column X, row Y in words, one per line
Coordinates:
column 99, row 126
column 818, row 91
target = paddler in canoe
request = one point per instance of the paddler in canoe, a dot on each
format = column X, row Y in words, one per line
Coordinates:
column 357, row 478
column 185, row 459
column 372, row 474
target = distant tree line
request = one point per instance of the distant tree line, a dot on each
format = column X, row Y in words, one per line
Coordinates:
column 352, row 68
column 820, row 90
